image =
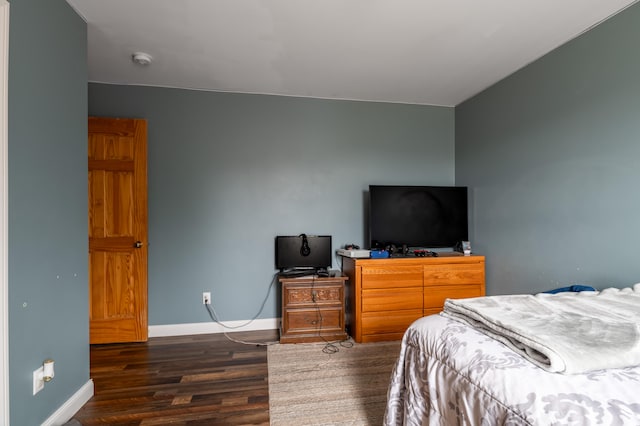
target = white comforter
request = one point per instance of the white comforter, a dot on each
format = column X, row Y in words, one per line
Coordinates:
column 566, row 332
column 448, row 373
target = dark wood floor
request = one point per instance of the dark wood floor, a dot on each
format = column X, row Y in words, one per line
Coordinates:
column 185, row 380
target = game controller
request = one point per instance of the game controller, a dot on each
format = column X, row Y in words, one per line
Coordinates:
column 425, row 253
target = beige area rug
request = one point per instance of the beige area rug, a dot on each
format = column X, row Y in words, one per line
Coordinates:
column 349, row 387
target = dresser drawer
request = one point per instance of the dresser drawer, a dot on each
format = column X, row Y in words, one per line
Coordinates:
column 305, row 321
column 392, row 277
column 389, row 323
column 447, row 274
column 435, row 296
column 381, row 300
column 432, row 311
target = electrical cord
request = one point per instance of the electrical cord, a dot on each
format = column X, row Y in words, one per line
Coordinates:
column 329, row 347
column 339, row 260
column 214, row 316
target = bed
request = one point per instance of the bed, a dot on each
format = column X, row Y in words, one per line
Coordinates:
column 452, row 370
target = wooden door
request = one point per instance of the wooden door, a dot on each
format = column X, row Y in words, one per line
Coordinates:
column 117, row 230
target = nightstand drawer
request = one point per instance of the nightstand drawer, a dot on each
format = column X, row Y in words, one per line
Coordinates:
column 305, row 295
column 313, row 320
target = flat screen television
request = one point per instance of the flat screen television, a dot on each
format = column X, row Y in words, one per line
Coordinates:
column 303, row 251
column 418, row 216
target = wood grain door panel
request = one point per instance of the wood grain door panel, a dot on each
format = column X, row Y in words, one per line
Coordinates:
column 117, row 166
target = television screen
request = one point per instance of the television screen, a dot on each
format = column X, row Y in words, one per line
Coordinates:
column 418, row 216
column 292, row 252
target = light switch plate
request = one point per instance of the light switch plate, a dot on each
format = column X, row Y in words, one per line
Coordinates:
column 38, row 380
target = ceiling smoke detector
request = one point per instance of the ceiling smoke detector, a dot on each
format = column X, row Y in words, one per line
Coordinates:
column 141, row 58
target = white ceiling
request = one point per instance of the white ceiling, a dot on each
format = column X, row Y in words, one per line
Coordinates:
column 435, row 52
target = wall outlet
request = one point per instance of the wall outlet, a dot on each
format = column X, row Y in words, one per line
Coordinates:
column 38, row 380
column 206, row 298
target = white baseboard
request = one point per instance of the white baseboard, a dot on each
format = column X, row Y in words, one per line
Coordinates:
column 212, row 327
column 71, row 407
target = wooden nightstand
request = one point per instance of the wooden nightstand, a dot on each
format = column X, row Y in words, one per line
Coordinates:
column 312, row 309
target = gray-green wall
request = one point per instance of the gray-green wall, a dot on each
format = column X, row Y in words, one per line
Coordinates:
column 229, row 172
column 549, row 155
column 552, row 155
column 48, row 306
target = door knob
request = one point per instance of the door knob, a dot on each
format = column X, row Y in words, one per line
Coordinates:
column 137, row 244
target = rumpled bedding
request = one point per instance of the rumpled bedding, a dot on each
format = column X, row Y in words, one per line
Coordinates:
column 448, row 373
column 569, row 333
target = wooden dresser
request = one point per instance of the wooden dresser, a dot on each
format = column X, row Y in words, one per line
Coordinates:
column 313, row 309
column 384, row 296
